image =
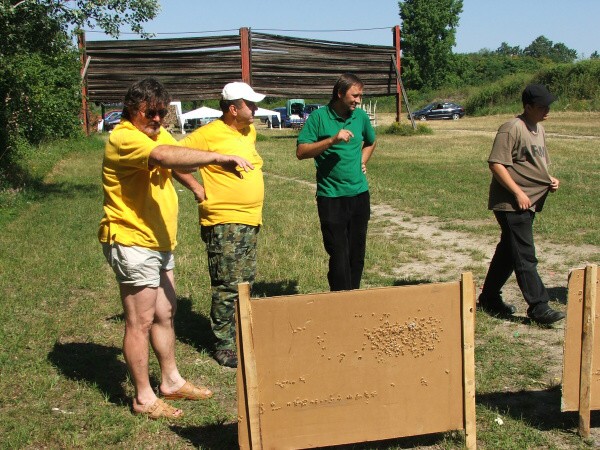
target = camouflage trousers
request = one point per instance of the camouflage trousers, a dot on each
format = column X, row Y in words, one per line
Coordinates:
column 231, row 249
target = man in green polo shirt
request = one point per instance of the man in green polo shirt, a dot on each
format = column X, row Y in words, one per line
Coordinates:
column 341, row 139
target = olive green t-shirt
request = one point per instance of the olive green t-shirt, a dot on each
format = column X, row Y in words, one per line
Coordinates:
column 523, row 152
column 339, row 170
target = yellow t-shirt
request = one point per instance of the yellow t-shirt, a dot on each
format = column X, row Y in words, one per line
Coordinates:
column 229, row 199
column 140, row 202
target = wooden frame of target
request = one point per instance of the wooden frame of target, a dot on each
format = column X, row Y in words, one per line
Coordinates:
column 581, row 363
column 356, row 366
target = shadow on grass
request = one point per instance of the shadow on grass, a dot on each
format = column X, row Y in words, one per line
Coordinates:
column 225, row 437
column 95, row 364
column 271, row 289
column 409, row 282
column 193, row 328
column 559, row 294
column 426, row 440
column 40, row 189
column 211, row 437
column 540, row 409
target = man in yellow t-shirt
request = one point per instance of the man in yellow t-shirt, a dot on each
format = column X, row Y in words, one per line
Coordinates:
column 230, row 209
column 138, row 233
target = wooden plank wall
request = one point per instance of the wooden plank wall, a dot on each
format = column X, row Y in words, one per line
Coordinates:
column 198, row 68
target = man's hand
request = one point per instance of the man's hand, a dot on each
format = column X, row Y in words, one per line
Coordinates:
column 554, row 184
column 343, row 135
column 523, row 201
column 232, row 162
column 200, row 194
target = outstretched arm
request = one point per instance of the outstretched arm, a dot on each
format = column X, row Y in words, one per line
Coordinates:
column 186, row 159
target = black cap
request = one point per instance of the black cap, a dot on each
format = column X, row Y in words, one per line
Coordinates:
column 537, row 94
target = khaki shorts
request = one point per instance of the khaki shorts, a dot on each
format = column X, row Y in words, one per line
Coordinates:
column 137, row 266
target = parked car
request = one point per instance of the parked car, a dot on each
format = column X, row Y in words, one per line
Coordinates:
column 437, row 110
column 111, row 120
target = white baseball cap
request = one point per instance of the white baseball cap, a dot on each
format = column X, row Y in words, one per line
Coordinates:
column 238, row 90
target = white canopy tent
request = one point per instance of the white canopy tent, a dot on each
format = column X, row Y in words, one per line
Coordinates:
column 261, row 112
column 204, row 112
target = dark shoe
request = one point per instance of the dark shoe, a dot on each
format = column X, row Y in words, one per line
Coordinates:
column 496, row 307
column 545, row 315
column 227, row 358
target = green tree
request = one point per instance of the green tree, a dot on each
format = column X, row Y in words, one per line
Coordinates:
column 428, row 35
column 508, row 50
column 40, row 86
column 542, row 47
column 595, row 55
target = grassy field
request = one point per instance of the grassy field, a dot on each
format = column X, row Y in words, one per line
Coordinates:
column 63, row 381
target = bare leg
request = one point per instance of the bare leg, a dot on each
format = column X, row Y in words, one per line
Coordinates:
column 162, row 334
column 139, row 306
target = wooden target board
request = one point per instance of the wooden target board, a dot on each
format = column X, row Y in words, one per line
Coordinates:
column 354, row 366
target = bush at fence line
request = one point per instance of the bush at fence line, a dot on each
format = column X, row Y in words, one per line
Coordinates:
column 404, row 129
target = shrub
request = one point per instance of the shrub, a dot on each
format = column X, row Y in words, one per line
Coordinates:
column 403, row 129
column 496, row 97
column 41, row 101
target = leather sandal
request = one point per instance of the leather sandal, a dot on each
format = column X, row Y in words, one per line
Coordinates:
column 159, row 410
column 189, row 392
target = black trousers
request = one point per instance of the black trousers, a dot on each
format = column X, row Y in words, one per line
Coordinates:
column 344, row 222
column 515, row 252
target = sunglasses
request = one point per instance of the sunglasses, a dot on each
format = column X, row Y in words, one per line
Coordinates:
column 151, row 113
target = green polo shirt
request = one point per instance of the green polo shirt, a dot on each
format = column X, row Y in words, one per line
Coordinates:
column 339, row 171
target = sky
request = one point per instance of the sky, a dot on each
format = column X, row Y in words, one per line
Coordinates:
column 483, row 23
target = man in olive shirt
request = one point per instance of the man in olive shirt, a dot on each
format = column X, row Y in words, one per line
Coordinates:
column 520, row 183
column 341, row 140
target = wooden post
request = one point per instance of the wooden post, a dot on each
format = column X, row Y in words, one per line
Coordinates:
column 396, row 31
column 249, row 365
column 246, row 54
column 399, row 80
column 587, row 349
column 467, row 299
column 84, row 90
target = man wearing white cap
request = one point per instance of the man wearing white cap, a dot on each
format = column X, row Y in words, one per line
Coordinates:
column 230, row 209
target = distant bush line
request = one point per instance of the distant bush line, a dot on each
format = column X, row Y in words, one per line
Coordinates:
column 577, row 87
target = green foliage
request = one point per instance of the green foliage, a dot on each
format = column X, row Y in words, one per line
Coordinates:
column 542, row 47
column 108, row 15
column 497, row 97
column 486, row 67
column 404, row 129
column 40, row 90
column 428, row 35
column 508, row 50
column 577, row 87
column 44, row 95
